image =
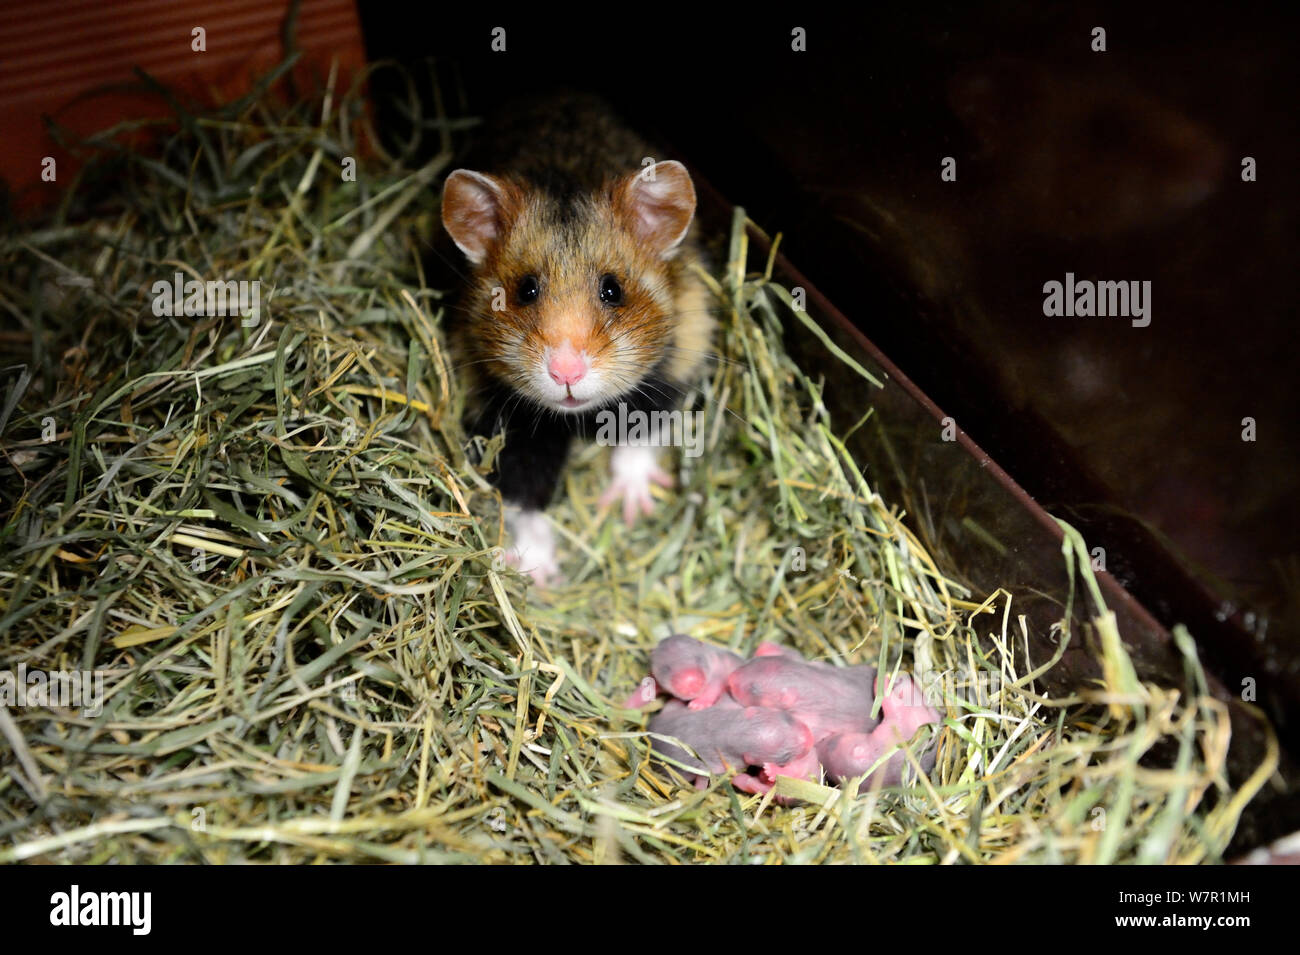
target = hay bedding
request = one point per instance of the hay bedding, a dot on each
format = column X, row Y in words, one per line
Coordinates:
column 271, row 543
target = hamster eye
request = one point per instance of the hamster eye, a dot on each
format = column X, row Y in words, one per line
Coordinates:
column 611, row 293
column 527, row 290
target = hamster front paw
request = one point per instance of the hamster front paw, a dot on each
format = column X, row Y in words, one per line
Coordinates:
column 532, row 549
column 632, row 470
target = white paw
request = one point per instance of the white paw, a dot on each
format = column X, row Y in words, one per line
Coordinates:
column 532, row 546
column 632, row 470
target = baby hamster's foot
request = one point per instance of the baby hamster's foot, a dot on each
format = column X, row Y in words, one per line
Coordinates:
column 633, row 469
column 532, row 550
column 645, row 695
column 750, row 784
column 707, row 697
column 807, row 766
column 766, row 649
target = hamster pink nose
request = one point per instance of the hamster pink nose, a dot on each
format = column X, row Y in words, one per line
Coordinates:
column 566, row 367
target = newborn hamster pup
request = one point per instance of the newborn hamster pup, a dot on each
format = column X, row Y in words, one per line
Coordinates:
column 827, row 699
column 729, row 738
column 691, row 670
column 580, row 298
column 850, row 754
column 847, row 755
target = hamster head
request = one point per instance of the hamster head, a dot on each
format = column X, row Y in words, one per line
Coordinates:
column 774, row 736
column 570, row 301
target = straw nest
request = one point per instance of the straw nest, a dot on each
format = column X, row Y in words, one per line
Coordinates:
column 269, row 540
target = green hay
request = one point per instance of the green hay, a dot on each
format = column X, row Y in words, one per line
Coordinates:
column 272, row 543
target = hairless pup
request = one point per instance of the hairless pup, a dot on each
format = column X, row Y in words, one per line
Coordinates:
column 691, row 670
column 848, row 755
column 730, row 738
column 828, row 699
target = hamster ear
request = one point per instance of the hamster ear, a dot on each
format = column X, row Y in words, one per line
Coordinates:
column 475, row 211
column 659, row 203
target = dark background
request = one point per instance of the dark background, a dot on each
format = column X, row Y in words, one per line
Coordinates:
column 1114, row 166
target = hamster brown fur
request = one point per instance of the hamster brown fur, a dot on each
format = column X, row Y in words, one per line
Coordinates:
column 566, row 212
column 580, row 297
